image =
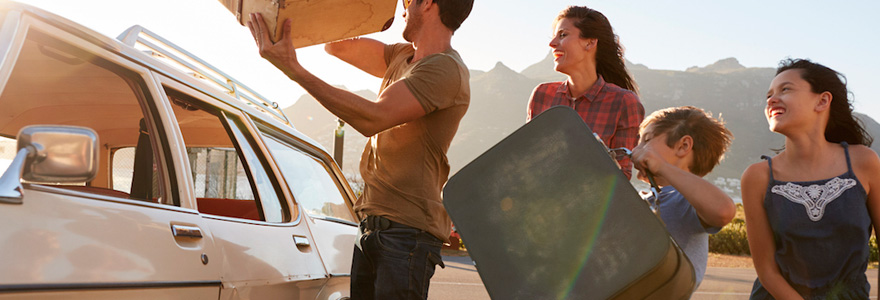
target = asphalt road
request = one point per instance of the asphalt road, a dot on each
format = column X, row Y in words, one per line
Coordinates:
column 459, row 280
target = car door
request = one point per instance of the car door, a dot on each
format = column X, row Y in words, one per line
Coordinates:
column 267, row 251
column 112, row 237
column 320, row 190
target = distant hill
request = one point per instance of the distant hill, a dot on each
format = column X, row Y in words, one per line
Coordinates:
column 499, row 97
column 309, row 117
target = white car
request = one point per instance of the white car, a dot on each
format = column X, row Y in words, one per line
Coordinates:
column 134, row 170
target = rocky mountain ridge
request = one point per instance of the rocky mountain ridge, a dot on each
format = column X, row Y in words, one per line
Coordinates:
column 499, row 96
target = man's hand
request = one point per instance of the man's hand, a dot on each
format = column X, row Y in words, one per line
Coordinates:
column 281, row 53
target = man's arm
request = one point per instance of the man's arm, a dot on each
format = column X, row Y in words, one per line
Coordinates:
column 365, row 54
column 396, row 104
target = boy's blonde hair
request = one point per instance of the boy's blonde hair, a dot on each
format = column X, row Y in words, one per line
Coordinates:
column 711, row 138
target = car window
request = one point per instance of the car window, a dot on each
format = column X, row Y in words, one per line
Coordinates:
column 55, row 83
column 311, row 182
column 229, row 177
column 7, row 152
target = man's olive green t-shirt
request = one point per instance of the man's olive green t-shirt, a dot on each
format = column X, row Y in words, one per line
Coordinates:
column 405, row 167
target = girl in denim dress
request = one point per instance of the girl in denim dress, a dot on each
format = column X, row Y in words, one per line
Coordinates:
column 809, row 209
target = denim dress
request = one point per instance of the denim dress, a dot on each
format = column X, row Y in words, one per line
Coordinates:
column 821, row 230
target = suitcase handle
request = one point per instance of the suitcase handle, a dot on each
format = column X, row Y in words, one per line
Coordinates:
column 618, row 153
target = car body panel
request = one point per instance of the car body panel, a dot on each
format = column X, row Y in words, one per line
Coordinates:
column 63, row 242
column 65, row 239
column 336, row 243
column 187, row 293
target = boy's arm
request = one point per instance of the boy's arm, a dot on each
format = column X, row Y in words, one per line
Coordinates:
column 713, row 206
column 363, row 53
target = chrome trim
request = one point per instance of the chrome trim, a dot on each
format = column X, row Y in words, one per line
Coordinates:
column 186, row 231
column 166, row 49
column 301, row 241
column 335, row 220
column 63, row 191
column 46, row 287
column 246, row 221
column 10, row 182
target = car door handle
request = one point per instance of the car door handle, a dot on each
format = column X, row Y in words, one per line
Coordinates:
column 301, row 241
column 186, row 231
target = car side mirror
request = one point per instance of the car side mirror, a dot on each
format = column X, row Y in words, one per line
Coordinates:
column 50, row 155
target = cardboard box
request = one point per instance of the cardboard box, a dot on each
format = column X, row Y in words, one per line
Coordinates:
column 318, row 21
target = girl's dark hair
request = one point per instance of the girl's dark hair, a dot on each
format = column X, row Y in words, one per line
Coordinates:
column 609, row 55
column 842, row 126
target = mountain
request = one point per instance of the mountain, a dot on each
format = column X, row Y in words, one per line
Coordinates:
column 728, row 90
column 309, row 117
column 726, row 65
column 498, row 107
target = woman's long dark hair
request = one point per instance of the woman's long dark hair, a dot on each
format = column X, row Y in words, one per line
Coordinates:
column 609, row 55
column 842, row 126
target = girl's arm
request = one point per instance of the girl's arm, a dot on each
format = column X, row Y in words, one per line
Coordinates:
column 754, row 185
column 866, row 165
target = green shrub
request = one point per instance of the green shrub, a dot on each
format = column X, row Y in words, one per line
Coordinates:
column 874, row 255
column 731, row 239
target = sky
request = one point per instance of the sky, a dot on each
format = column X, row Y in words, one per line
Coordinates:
column 661, row 34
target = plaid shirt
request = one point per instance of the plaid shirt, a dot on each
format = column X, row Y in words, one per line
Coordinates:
column 612, row 112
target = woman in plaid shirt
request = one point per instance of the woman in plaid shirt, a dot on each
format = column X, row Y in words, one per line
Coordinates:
column 598, row 87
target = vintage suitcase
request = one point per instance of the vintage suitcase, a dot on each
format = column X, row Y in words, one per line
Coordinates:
column 546, row 214
column 317, row 22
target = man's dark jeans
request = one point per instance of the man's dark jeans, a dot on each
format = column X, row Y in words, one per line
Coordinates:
column 394, row 263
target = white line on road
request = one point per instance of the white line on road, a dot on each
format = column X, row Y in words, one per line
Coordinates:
column 722, row 293
column 455, row 283
column 736, row 294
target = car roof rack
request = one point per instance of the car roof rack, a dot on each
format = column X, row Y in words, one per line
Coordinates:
column 157, row 46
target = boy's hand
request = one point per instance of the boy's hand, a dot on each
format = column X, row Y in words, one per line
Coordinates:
column 645, row 158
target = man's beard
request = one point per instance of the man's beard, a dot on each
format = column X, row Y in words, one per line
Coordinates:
column 413, row 25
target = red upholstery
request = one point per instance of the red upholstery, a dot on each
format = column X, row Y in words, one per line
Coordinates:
column 244, row 209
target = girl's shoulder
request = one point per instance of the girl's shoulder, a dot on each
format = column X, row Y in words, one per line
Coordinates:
column 756, row 173
column 864, row 158
column 861, row 151
column 754, row 182
column 866, row 166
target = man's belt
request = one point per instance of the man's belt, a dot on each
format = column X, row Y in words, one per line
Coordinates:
column 376, row 223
